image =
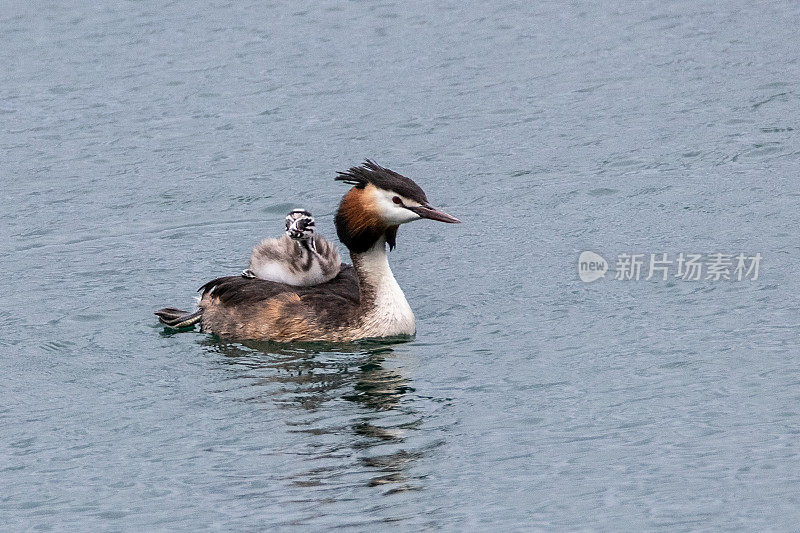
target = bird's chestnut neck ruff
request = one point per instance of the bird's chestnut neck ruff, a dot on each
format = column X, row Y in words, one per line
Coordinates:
column 358, row 222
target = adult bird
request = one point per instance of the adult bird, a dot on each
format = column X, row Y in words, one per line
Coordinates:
column 362, row 301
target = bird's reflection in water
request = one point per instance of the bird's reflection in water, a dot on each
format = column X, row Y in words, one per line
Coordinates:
column 351, row 413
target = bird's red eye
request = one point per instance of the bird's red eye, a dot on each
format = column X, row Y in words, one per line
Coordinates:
column 397, row 200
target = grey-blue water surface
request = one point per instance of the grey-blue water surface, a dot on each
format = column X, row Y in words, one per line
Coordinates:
column 146, row 146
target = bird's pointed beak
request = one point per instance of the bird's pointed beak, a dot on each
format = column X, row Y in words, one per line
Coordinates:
column 428, row 211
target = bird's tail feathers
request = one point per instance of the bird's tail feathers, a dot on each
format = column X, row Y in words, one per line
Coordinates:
column 177, row 318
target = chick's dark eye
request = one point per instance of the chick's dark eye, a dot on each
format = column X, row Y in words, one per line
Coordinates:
column 397, row 200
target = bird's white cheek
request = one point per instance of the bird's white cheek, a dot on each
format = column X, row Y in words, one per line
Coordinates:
column 400, row 215
column 393, row 214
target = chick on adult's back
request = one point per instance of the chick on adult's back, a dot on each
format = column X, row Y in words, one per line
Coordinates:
column 299, row 258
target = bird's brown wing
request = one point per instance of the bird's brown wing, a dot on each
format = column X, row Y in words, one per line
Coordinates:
column 238, row 290
column 246, row 308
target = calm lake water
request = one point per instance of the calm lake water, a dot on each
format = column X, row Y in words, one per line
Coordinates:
column 147, row 146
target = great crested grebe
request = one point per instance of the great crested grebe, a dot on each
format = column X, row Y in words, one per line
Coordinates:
column 299, row 258
column 362, row 301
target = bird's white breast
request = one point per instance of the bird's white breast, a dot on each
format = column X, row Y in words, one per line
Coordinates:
column 389, row 313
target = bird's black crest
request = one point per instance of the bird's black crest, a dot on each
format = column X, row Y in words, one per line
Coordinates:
column 383, row 178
